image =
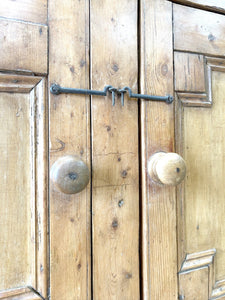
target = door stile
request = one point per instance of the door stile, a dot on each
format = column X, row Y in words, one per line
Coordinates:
column 70, row 232
column 159, row 246
column 115, row 185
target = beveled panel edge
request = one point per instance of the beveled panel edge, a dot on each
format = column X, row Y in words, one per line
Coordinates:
column 195, row 98
column 18, row 83
column 218, row 290
column 192, row 3
column 39, row 94
column 20, row 294
column 198, row 260
column 36, row 86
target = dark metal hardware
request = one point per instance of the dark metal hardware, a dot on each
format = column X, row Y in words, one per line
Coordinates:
column 57, row 89
column 168, row 99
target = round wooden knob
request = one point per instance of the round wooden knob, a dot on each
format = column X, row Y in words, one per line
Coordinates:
column 166, row 168
column 69, row 174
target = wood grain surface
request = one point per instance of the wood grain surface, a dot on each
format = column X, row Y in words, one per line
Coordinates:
column 25, row 10
column 70, row 265
column 23, row 46
column 211, row 5
column 115, row 197
column 193, row 32
column 157, row 134
column 189, row 72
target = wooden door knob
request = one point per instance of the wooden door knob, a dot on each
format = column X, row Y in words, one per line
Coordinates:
column 69, row 174
column 166, row 168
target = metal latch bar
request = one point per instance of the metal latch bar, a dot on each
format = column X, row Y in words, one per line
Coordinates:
column 168, row 99
column 57, row 89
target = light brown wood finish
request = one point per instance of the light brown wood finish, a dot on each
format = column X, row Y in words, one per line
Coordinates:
column 193, row 32
column 23, row 186
column 69, row 134
column 25, row 10
column 194, row 285
column 23, row 47
column 115, row 196
column 204, row 203
column 19, row 84
column 158, row 204
column 166, row 168
column 20, row 294
column 190, row 68
column 41, row 177
column 197, row 277
column 199, row 138
column 17, row 192
column 211, row 5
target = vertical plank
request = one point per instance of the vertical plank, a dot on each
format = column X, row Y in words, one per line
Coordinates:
column 157, row 134
column 69, row 134
column 115, row 152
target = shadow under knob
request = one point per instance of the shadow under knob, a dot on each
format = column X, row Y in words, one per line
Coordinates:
column 70, row 174
column 166, row 168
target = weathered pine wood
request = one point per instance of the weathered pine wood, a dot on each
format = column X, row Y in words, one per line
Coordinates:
column 19, row 294
column 23, row 185
column 69, row 134
column 25, row 10
column 204, row 203
column 115, row 198
column 166, row 168
column 219, row 290
column 41, row 188
column 194, row 99
column 211, row 5
column 200, row 199
column 15, row 83
column 23, row 47
column 17, row 224
column 193, row 32
column 189, row 72
column 159, row 267
column 194, row 285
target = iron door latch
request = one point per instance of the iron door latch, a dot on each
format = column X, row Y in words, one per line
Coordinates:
column 57, row 89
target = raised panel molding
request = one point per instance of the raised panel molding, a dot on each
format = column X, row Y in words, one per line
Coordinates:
column 210, row 5
column 20, row 294
column 199, row 269
column 35, row 88
column 18, row 83
column 193, row 78
column 193, row 86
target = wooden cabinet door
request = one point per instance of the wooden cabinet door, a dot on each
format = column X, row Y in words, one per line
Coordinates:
column 192, row 39
column 124, row 236
column 23, row 144
column 199, row 66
